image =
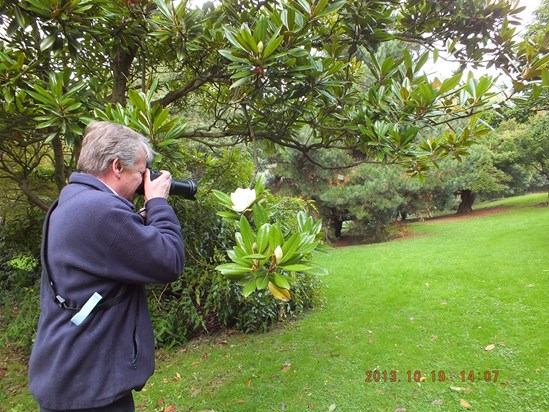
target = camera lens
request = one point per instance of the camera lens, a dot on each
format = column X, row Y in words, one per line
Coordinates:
column 184, row 188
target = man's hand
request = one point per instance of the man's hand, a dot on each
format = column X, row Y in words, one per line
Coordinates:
column 159, row 187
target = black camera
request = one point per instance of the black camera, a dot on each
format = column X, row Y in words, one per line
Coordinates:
column 184, row 188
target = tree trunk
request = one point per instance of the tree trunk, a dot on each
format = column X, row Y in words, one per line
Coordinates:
column 338, row 226
column 467, row 199
column 32, row 198
column 121, row 65
column 58, row 162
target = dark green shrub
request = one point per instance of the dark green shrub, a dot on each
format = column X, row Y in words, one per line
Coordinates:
column 260, row 310
column 20, row 278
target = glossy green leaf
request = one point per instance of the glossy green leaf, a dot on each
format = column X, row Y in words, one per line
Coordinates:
column 41, row 98
column 246, row 36
column 275, row 237
column 222, row 197
column 48, row 41
column 260, row 30
column 248, row 237
column 255, row 256
column 272, row 45
column 249, row 285
column 236, row 40
column 290, row 246
column 304, row 5
column 450, row 83
column 262, row 239
column 241, row 82
column 262, row 281
column 296, row 267
column 260, row 215
column 483, row 86
column 316, row 270
column 230, row 56
column 281, row 281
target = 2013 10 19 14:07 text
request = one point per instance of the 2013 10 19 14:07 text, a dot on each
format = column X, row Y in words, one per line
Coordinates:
column 431, row 376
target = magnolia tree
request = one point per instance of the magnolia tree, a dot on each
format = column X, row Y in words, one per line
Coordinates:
column 288, row 73
column 299, row 74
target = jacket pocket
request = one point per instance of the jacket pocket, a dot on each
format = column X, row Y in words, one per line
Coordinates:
column 135, row 352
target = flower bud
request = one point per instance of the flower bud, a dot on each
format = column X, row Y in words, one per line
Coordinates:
column 278, row 254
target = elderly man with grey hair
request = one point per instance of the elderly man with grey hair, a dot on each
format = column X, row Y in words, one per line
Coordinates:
column 95, row 344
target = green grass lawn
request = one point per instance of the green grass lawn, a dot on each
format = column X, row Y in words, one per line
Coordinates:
column 453, row 317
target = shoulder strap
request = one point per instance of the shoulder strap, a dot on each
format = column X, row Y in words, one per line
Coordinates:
column 62, row 302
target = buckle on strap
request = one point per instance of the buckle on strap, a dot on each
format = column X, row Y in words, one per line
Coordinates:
column 61, row 301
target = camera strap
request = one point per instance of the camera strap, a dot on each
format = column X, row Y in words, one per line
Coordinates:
column 61, row 301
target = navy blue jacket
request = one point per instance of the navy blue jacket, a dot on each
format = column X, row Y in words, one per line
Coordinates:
column 98, row 243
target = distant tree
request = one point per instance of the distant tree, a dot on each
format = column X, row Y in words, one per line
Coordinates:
column 503, row 144
column 533, row 149
column 368, row 197
column 466, row 179
column 521, row 150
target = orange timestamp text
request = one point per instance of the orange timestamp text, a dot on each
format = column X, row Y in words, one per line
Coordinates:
column 374, row 376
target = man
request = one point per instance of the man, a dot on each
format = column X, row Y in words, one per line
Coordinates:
column 94, row 343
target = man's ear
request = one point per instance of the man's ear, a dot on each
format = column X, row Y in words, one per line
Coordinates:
column 116, row 167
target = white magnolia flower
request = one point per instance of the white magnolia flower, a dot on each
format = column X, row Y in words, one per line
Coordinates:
column 242, row 199
column 278, row 254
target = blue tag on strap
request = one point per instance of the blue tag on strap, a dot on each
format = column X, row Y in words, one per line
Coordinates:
column 86, row 309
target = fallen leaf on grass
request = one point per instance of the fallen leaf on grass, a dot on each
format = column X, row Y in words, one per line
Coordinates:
column 170, row 408
column 332, row 407
column 490, row 347
column 285, row 369
column 400, row 410
column 195, row 392
column 438, row 402
column 460, row 389
column 465, row 404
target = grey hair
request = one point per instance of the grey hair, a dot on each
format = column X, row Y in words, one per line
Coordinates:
column 105, row 141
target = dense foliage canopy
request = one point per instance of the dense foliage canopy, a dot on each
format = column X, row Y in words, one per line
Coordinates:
column 285, row 73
